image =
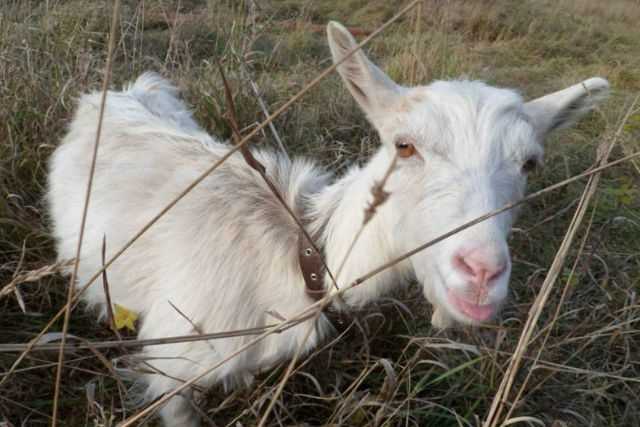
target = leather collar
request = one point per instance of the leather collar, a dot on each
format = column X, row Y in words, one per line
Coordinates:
column 312, row 267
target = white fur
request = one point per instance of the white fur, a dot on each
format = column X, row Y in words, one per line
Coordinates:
column 226, row 254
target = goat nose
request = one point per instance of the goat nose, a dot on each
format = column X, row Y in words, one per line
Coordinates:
column 481, row 268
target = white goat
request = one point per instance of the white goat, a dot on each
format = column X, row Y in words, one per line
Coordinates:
column 227, row 253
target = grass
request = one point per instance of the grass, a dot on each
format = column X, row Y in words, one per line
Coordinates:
column 393, row 369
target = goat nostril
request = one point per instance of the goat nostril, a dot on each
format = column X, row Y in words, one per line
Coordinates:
column 487, row 277
column 462, row 265
column 496, row 273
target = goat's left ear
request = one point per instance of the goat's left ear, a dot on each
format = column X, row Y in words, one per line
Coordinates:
column 368, row 84
column 563, row 108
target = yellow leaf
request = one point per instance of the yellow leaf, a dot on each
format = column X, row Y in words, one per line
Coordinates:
column 124, row 318
column 359, row 417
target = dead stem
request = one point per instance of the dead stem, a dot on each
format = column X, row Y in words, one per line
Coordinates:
column 549, row 327
column 265, row 111
column 259, row 167
column 203, row 175
column 34, row 276
column 379, row 197
column 311, row 310
column 290, row 367
column 604, row 151
column 414, row 53
column 33, row 344
column 195, row 327
column 107, row 294
column 85, row 209
column 486, row 216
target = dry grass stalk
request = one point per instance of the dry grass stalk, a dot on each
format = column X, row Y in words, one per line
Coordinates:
column 16, row 291
column 255, row 395
column 417, row 32
column 379, row 197
column 195, row 327
column 549, row 326
column 539, row 363
column 290, row 367
column 265, row 110
column 67, row 312
column 593, row 329
column 22, row 405
column 34, row 276
column 604, row 151
column 204, row 174
column 107, row 294
column 379, row 194
column 259, row 167
column 252, row 162
column 479, row 219
column 130, row 343
column 278, row 328
column 253, row 331
column 312, row 310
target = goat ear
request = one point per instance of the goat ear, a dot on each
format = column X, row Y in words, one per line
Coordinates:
column 563, row 108
column 369, row 85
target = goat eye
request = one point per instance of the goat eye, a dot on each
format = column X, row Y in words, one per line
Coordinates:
column 405, row 148
column 530, row 165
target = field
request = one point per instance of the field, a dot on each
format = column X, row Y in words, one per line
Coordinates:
column 582, row 364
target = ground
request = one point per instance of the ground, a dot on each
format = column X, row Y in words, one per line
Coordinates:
column 394, row 369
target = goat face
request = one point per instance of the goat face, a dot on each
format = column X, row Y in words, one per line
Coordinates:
column 464, row 149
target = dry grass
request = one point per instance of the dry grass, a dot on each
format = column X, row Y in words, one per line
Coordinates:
column 390, row 368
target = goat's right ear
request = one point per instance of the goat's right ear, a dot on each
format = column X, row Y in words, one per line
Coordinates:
column 369, row 85
column 563, row 108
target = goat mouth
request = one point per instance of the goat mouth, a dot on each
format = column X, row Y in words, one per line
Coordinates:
column 476, row 312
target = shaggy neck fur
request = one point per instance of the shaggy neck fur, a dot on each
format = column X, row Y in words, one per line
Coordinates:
column 340, row 208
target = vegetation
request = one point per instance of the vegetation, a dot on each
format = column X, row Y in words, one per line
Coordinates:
column 391, row 367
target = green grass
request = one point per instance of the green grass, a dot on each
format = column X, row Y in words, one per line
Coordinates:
column 50, row 52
